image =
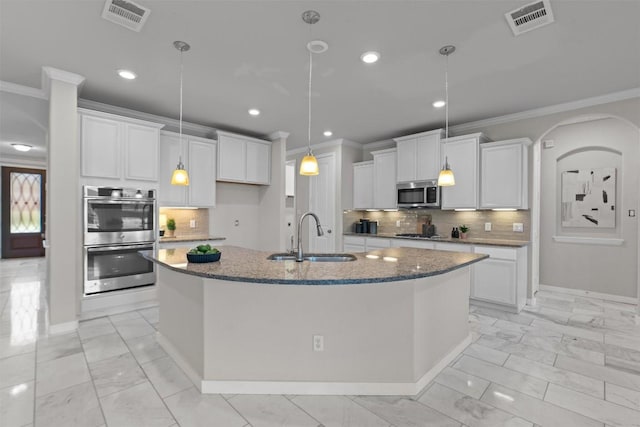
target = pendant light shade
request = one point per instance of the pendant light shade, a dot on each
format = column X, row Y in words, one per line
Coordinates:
column 309, row 163
column 180, row 175
column 446, row 178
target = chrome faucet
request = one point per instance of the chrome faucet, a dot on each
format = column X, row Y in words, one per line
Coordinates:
column 299, row 257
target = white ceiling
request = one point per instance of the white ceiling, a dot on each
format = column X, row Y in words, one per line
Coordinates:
column 253, row 54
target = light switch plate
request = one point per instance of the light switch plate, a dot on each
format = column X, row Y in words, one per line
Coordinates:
column 632, row 213
column 192, row 223
column 487, row 226
column 518, row 227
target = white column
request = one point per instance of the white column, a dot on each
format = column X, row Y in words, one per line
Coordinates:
column 63, row 221
column 271, row 219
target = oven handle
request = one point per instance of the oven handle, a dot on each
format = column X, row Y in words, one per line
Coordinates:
column 120, row 201
column 117, row 247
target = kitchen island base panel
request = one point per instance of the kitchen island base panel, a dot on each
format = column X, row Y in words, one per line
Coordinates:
column 379, row 338
column 310, row 387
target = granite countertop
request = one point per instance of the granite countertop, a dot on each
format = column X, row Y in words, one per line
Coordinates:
column 165, row 239
column 467, row 241
column 386, row 265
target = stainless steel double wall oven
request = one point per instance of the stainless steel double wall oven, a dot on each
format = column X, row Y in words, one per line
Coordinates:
column 118, row 222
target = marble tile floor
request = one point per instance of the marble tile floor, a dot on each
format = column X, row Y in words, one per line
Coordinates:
column 568, row 361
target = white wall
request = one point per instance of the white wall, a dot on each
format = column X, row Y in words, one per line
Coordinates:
column 604, row 269
column 239, row 202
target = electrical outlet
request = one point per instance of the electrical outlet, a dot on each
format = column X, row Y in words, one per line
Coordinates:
column 518, row 227
column 236, row 223
column 192, row 223
column 487, row 226
column 398, row 223
column 318, row 343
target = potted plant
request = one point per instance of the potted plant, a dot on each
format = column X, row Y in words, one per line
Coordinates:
column 171, row 227
column 463, row 231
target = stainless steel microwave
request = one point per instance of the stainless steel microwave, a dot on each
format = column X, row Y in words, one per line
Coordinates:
column 419, row 194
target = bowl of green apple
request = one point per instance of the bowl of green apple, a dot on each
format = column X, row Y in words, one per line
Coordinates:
column 203, row 253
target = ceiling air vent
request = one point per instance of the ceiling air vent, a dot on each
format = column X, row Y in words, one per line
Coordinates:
column 529, row 17
column 126, row 13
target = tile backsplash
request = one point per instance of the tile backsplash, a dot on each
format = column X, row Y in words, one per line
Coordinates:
column 183, row 218
column 410, row 221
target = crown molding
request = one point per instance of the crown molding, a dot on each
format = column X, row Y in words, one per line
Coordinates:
column 204, row 131
column 239, row 135
column 439, row 132
column 279, row 134
column 22, row 90
column 378, row 145
column 23, row 161
column 50, row 73
column 340, row 142
column 545, row 111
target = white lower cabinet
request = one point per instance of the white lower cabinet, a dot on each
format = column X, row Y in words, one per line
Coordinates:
column 374, row 243
column 502, row 278
column 353, row 244
column 419, row 244
column 454, row 247
column 364, row 244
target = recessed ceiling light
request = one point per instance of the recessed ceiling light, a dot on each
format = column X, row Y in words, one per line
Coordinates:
column 254, row 112
column 327, row 133
column 370, row 57
column 126, row 74
column 439, row 104
column 22, row 147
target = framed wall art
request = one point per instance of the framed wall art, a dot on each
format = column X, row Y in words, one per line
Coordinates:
column 589, row 198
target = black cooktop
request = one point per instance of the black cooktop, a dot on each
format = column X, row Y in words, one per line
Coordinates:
column 416, row 235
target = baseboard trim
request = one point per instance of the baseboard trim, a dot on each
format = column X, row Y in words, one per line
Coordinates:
column 504, row 307
column 63, row 328
column 584, row 293
column 310, row 387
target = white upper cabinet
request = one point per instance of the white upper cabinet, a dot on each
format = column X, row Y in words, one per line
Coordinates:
column 243, row 159
column 199, row 159
column 384, row 182
column 100, row 142
column 462, row 153
column 363, row 185
column 504, row 174
column 258, row 162
column 118, row 147
column 202, row 172
column 141, row 152
column 418, row 156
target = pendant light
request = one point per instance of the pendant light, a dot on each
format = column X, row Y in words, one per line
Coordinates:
column 180, row 175
column 309, row 164
column 446, row 178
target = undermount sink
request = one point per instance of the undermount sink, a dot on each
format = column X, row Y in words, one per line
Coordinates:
column 313, row 257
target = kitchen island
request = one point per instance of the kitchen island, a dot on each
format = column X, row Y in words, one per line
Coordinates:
column 383, row 324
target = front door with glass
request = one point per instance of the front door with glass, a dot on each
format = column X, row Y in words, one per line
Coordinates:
column 23, row 212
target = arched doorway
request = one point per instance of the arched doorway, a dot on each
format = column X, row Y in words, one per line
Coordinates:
column 586, row 260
